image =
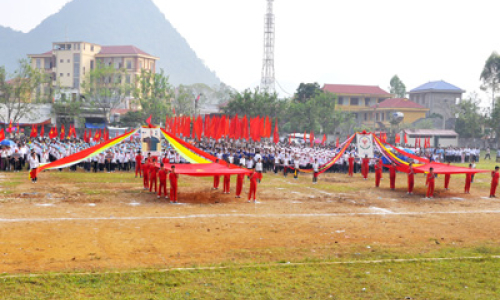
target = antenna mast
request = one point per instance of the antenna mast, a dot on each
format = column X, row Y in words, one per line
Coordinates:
column 267, row 83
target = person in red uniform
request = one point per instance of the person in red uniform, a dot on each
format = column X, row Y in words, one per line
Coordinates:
column 253, row 185
column 365, row 166
column 145, row 174
column 429, row 183
column 162, row 176
column 153, row 170
column 239, row 184
column 495, row 175
column 381, row 165
column 447, row 178
column 138, row 164
column 392, row 175
column 378, row 173
column 173, row 185
column 227, row 182
column 165, row 160
column 411, row 179
column 351, row 165
column 468, row 181
column 216, row 178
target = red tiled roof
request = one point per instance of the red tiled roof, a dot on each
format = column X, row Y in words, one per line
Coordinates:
column 354, row 89
column 398, row 103
column 48, row 52
column 122, row 50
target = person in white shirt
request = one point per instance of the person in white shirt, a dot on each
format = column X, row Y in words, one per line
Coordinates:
column 316, row 171
column 34, row 164
column 259, row 168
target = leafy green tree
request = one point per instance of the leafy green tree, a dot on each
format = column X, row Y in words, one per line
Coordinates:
column 490, row 76
column 398, row 88
column 106, row 88
column 254, row 104
column 133, row 119
column 306, row 91
column 19, row 93
column 153, row 94
column 494, row 120
column 470, row 122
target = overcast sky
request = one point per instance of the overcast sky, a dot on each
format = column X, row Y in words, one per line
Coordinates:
column 325, row 41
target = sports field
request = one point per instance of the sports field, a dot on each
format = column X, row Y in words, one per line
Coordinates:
column 101, row 236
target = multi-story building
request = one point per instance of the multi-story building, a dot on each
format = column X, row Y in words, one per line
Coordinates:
column 441, row 98
column 69, row 63
column 372, row 106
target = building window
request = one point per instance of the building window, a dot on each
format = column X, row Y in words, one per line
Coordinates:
column 61, row 75
column 354, row 101
column 380, row 100
column 341, row 100
column 376, row 117
column 127, row 79
column 383, row 116
column 367, row 101
column 69, row 60
column 61, row 60
column 69, row 74
column 129, row 64
column 366, row 117
column 92, row 48
column 38, row 63
column 92, row 65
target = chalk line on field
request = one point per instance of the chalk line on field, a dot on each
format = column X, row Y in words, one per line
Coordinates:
column 208, row 216
column 270, row 265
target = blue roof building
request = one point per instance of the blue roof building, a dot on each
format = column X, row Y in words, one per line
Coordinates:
column 441, row 98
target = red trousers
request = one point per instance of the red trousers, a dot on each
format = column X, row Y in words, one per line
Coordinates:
column 145, row 179
column 216, row 182
column 430, row 189
column 138, row 169
column 163, row 188
column 351, row 170
column 411, row 184
column 366, row 170
column 393, row 182
column 173, row 192
column 447, row 178
column 467, row 186
column 493, row 189
column 378, row 176
column 227, row 183
column 152, row 181
column 253, row 191
column 239, row 185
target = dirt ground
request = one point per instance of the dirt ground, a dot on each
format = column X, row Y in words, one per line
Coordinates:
column 63, row 223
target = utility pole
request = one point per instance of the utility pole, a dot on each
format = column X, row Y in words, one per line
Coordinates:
column 267, row 83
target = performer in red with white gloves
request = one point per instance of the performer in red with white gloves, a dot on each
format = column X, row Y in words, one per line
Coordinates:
column 495, row 175
column 162, row 175
column 173, row 185
column 253, row 185
column 227, row 182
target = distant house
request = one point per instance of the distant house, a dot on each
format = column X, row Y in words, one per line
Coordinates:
column 373, row 106
column 441, row 98
column 438, row 137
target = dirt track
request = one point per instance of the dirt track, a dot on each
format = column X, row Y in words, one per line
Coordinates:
column 55, row 226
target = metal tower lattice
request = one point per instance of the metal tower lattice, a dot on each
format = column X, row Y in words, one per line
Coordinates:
column 267, row 83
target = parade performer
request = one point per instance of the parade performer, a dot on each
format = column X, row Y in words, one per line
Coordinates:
column 351, row 165
column 138, row 164
column 365, row 165
column 494, row 182
column 34, row 164
column 468, row 181
column 162, row 176
column 378, row 173
column 411, row 179
column 316, row 171
column 239, row 184
column 392, row 175
column 173, row 185
column 152, row 176
column 429, row 183
column 253, row 186
column 447, row 178
column 227, row 182
column 145, row 173
column 216, row 178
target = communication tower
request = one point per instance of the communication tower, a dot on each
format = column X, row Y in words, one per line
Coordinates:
column 267, row 83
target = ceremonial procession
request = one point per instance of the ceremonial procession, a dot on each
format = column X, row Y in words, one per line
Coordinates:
column 155, row 149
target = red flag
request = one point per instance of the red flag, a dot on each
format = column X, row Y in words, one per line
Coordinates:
column 148, row 121
column 337, row 144
column 262, row 129
column 74, row 132
column 173, row 109
column 323, row 141
column 42, row 131
column 63, row 134
column 85, row 136
column 398, row 138
column 237, row 130
column 406, row 138
column 244, row 126
column 9, row 129
column 289, row 139
column 384, row 137
column 226, row 128
column 34, row 132
column 2, row 135
column 311, row 138
column 276, row 136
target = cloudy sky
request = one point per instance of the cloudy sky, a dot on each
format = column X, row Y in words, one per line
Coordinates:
column 325, row 41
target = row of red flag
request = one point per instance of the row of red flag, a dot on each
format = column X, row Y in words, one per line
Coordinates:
column 418, row 141
column 222, row 127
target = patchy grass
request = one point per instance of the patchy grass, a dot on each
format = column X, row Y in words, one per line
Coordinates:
column 82, row 177
column 448, row 279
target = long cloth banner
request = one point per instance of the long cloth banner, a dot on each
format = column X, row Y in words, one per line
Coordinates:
column 87, row 153
column 183, row 151
column 205, row 170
